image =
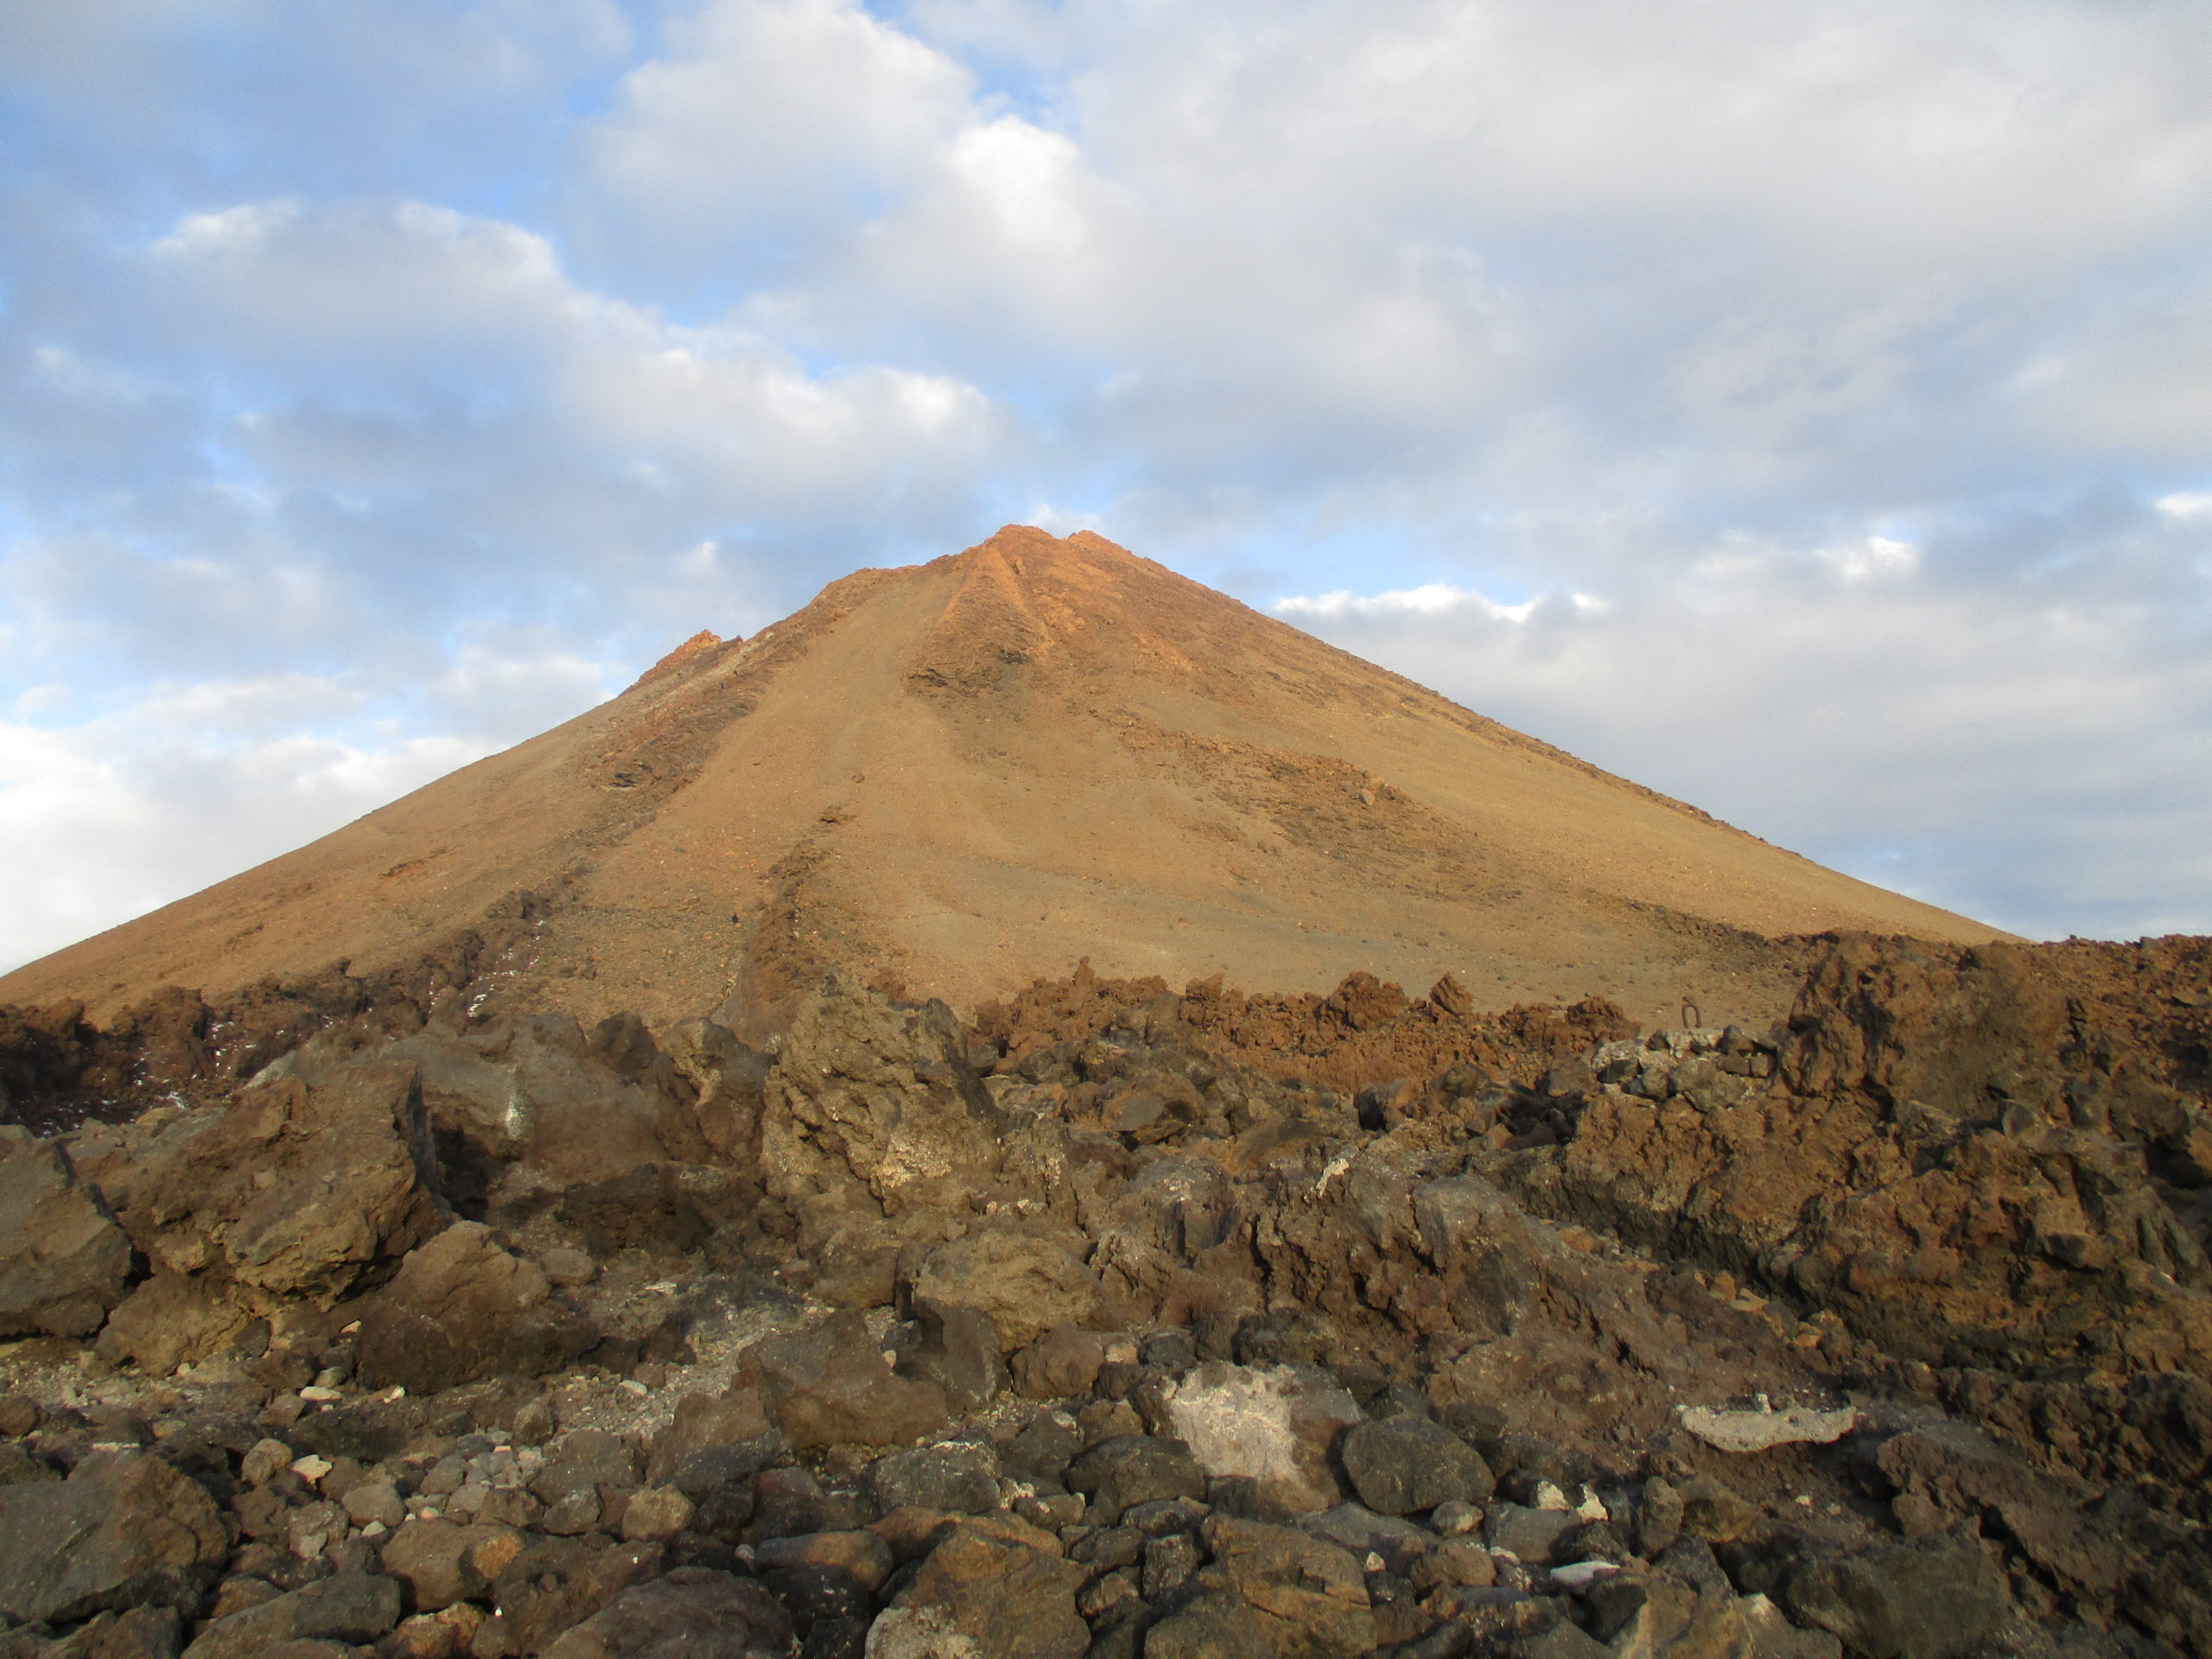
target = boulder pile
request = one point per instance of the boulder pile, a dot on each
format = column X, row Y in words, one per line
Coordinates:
column 1137, row 1324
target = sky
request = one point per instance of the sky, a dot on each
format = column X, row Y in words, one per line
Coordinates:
column 1803, row 410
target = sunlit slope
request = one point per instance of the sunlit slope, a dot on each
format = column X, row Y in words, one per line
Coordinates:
column 965, row 773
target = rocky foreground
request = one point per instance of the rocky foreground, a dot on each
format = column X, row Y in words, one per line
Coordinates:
column 1118, row 1322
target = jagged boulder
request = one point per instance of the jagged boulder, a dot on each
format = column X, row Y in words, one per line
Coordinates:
column 124, row 1530
column 462, row 1308
column 291, row 1190
column 63, row 1257
column 877, row 1094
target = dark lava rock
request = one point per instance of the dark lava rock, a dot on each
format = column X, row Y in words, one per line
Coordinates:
column 961, row 1478
column 352, row 1608
column 462, row 1308
column 957, row 1348
column 1915, row 1601
column 123, row 1529
column 694, row 1611
column 63, row 1257
column 1409, row 1464
column 1133, row 1469
column 829, row 1386
column 555, row 1586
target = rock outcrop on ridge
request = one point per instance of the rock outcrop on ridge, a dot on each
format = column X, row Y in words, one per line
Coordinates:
column 957, row 776
column 1117, row 1320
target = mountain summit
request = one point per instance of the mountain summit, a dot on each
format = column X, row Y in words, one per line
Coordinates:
column 957, row 776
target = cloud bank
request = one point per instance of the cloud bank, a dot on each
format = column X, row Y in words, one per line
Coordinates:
column 1802, row 412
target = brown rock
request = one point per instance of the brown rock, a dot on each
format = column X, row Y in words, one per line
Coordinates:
column 123, row 1529
column 554, row 1586
column 877, row 1096
column 863, row 1557
column 1064, row 1361
column 442, row 1561
column 1310, row 1597
column 830, row 1385
column 292, row 1190
column 694, row 1611
column 655, row 1512
column 63, row 1258
column 1026, row 1285
column 1009, row 1602
column 170, row 1319
column 462, row 1308
column 714, row 1438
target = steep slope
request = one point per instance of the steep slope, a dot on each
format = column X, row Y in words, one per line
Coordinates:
column 961, row 775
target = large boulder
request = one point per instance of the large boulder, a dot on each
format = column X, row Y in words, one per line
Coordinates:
column 538, row 1090
column 63, row 1258
column 292, row 1190
column 1309, row 1598
column 830, row 1385
column 1936, row 1600
column 462, row 1308
column 1407, row 1465
column 877, row 1094
column 353, row 1608
column 987, row 1597
column 124, row 1529
column 172, row 1317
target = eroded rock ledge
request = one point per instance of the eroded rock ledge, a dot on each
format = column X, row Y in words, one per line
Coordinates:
column 1125, row 1322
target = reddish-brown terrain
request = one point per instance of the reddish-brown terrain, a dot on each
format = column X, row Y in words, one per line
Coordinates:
column 958, row 776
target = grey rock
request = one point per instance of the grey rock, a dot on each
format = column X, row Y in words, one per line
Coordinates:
column 586, row 1459
column 1362, row 1531
column 1528, row 1533
column 1274, row 1427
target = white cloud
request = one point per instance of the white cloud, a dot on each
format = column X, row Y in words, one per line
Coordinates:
column 1834, row 376
column 107, row 819
column 1430, row 599
column 2044, row 766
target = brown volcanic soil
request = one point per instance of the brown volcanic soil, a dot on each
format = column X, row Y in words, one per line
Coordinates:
column 957, row 776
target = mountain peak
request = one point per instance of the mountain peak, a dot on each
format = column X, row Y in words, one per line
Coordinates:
column 960, row 775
